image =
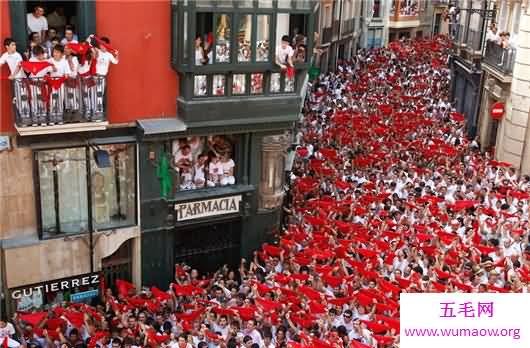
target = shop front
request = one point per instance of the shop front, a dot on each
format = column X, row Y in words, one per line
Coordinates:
column 206, row 200
column 84, row 288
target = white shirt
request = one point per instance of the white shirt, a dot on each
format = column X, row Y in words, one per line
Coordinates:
column 103, row 61
column 36, row 24
column 73, row 41
column 12, row 61
column 61, row 66
column 215, row 168
column 8, row 330
column 227, row 166
column 283, row 54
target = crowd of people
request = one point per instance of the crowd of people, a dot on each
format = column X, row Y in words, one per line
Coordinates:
column 504, row 39
column 387, row 195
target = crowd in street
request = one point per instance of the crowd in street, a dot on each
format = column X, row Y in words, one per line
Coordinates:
column 387, row 195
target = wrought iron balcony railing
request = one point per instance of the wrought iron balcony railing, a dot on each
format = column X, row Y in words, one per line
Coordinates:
column 499, row 58
column 48, row 101
column 348, row 26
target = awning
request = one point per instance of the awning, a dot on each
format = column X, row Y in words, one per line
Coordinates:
column 156, row 126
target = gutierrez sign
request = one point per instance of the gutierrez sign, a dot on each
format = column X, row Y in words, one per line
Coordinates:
column 210, row 207
column 57, row 285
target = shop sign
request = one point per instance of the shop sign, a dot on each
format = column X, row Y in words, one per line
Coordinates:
column 81, row 296
column 56, row 285
column 497, row 111
column 207, row 208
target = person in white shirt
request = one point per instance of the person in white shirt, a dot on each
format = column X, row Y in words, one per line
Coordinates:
column 69, row 36
column 12, row 58
column 7, row 331
column 36, row 22
column 215, row 171
column 62, row 70
column 228, row 170
column 284, row 53
column 199, row 170
column 38, row 103
column 104, row 58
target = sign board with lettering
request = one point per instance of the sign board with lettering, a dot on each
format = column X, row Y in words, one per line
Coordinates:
column 83, row 295
column 207, row 208
column 85, row 280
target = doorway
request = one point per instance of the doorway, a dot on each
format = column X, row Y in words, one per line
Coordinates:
column 208, row 247
column 118, row 265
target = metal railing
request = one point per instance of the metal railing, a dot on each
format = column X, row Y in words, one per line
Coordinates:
column 348, row 26
column 39, row 101
column 326, row 35
column 501, row 59
column 457, row 32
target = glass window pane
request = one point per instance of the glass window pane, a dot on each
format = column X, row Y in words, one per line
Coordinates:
column 303, row 4
column 244, row 53
column 200, row 87
column 239, row 84
column 275, row 82
column 114, row 188
column 203, row 162
column 203, row 38
column 256, row 86
column 222, row 39
column 218, row 86
column 265, row 3
column 263, row 43
column 203, row 3
column 282, row 27
column 63, row 190
column 289, row 84
column 185, row 39
column 245, row 3
column 284, row 3
column 223, row 3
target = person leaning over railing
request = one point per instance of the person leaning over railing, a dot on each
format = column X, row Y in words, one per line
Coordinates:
column 12, row 58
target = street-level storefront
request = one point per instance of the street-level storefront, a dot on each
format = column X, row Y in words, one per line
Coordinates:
column 197, row 211
column 80, row 209
column 83, row 288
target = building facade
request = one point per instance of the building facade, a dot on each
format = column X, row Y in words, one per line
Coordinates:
column 506, row 82
column 468, row 23
column 111, row 187
column 338, row 32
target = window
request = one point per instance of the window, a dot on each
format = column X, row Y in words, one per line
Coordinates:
column 114, row 188
column 204, row 162
column 222, row 39
column 289, row 83
column 275, row 82
column 200, row 87
column 218, row 86
column 244, row 53
column 203, row 38
column 63, row 188
column 294, row 25
column 239, row 84
column 377, row 8
column 256, row 83
column 185, row 38
column 327, row 16
column 265, row 3
column 263, row 41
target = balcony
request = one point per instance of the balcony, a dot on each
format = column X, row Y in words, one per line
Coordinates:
column 326, row 36
column 57, row 105
column 500, row 60
column 348, row 26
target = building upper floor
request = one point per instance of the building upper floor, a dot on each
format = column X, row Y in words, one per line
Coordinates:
column 486, row 31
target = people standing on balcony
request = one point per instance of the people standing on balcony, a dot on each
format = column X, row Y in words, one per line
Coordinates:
column 12, row 58
column 492, row 35
column 36, row 22
column 284, row 54
column 69, row 36
column 104, row 57
column 34, row 40
column 57, row 19
column 215, row 170
column 228, row 169
column 203, row 54
column 52, row 37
